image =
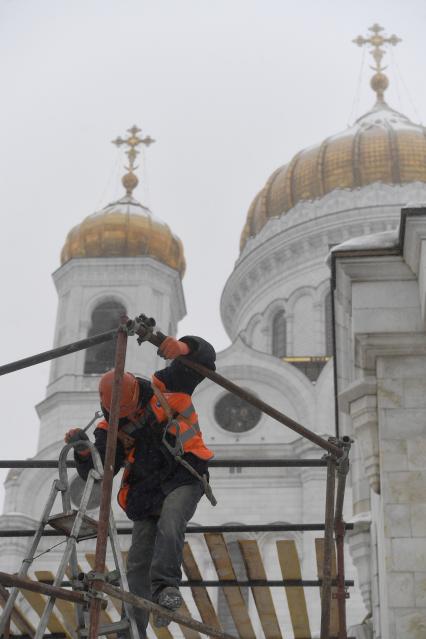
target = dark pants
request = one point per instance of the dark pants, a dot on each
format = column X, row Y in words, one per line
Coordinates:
column 155, row 555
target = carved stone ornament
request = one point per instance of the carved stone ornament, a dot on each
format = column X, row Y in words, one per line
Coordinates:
column 359, row 400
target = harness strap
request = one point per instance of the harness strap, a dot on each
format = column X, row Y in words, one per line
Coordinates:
column 194, row 429
column 184, row 415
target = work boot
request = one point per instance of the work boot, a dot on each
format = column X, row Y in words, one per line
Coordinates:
column 170, row 598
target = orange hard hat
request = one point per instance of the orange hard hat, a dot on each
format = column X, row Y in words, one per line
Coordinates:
column 129, row 393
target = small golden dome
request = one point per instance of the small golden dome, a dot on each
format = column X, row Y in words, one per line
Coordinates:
column 382, row 146
column 124, row 229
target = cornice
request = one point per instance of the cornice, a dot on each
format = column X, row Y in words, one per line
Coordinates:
column 371, row 346
column 286, row 255
column 339, row 201
column 120, row 271
column 98, row 270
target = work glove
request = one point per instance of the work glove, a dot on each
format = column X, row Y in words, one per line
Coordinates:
column 171, row 348
column 75, row 435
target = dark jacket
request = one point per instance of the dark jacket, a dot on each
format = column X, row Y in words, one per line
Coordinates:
column 155, row 473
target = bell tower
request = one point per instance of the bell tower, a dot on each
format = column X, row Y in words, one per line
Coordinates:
column 119, row 260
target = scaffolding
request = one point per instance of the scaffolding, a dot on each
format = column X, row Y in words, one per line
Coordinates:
column 329, row 548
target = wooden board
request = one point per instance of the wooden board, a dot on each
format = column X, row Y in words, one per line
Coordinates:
column 18, row 617
column 223, row 564
column 290, row 569
column 334, row 609
column 188, row 633
column 160, row 633
column 200, row 594
column 66, row 608
column 262, row 594
column 38, row 602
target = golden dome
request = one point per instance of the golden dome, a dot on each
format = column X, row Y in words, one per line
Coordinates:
column 124, row 229
column 382, row 146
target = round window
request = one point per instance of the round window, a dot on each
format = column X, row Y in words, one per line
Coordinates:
column 236, row 415
column 76, row 493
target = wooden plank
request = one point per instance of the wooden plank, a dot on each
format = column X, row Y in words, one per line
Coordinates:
column 200, row 594
column 38, row 602
column 66, row 608
column 188, row 633
column 290, row 569
column 160, row 633
column 262, row 595
column 223, row 564
column 334, row 610
column 18, row 617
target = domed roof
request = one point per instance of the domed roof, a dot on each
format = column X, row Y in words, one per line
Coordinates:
column 124, row 228
column 382, row 146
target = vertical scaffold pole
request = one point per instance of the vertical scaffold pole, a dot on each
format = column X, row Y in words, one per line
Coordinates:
column 339, row 527
column 328, row 547
column 109, row 463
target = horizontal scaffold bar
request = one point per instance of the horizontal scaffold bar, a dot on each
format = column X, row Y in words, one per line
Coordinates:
column 35, row 586
column 195, row 529
column 214, row 463
column 58, row 352
column 52, row 635
column 232, row 583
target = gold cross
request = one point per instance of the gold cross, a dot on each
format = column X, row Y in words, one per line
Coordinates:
column 133, row 141
column 377, row 41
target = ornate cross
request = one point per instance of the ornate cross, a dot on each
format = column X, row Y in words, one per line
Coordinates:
column 133, row 141
column 377, row 40
column 130, row 180
column 379, row 81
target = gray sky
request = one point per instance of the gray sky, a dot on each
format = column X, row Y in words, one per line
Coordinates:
column 230, row 89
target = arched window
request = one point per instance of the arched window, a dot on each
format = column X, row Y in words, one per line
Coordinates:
column 105, row 317
column 279, row 335
column 328, row 324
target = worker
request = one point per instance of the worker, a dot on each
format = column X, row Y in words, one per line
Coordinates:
column 157, row 429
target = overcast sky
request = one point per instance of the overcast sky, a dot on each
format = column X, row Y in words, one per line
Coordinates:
column 230, row 89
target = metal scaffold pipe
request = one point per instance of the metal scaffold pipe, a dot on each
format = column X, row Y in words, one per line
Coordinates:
column 58, row 352
column 328, row 548
column 19, row 532
column 340, row 529
column 109, row 463
column 139, row 602
column 213, row 463
column 35, row 586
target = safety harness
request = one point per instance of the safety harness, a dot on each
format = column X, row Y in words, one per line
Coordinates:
column 177, row 450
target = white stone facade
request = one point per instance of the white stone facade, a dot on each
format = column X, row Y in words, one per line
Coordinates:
column 382, row 345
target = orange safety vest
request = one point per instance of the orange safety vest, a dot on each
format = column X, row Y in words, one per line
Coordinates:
column 184, row 424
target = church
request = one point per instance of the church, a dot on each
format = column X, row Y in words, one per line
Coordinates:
column 278, row 308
